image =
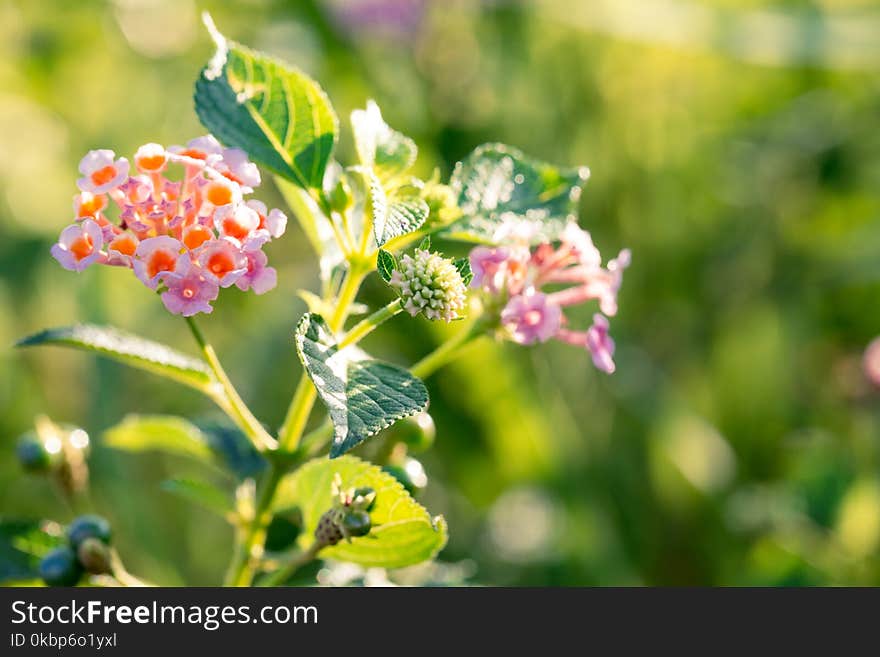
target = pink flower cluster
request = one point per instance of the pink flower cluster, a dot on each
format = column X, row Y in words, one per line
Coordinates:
column 186, row 237
column 519, row 277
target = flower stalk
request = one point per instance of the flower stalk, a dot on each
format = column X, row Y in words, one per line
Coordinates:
column 250, row 548
column 230, row 401
column 363, row 328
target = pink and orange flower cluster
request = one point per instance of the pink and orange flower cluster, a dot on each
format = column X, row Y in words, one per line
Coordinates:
column 186, row 237
column 521, row 279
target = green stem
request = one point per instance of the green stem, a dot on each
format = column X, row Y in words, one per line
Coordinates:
column 346, row 228
column 231, row 403
column 250, row 549
column 447, row 351
column 356, row 274
column 315, row 439
column 287, row 571
column 121, row 575
column 297, row 413
column 366, row 326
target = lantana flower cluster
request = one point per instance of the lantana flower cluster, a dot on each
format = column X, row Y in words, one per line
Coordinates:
column 532, row 286
column 431, row 285
column 186, row 237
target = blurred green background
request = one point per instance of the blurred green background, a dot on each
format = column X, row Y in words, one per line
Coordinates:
column 735, row 148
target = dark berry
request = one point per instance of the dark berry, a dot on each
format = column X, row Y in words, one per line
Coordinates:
column 94, row 556
column 356, row 523
column 89, row 526
column 33, row 455
column 60, row 568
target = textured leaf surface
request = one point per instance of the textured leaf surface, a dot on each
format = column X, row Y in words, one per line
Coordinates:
column 22, row 544
column 129, row 349
column 386, row 263
column 402, row 216
column 202, row 493
column 498, row 185
column 403, row 532
column 463, row 265
column 363, row 396
column 276, row 113
column 387, row 151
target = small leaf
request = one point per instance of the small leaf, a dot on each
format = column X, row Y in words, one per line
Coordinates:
column 211, row 442
column 363, row 396
column 425, row 244
column 403, row 532
column 402, row 216
column 129, row 349
column 387, row 151
column 23, row 543
column 201, row 493
column 276, row 113
column 498, row 185
column 235, row 450
column 314, row 303
column 463, row 265
column 164, row 433
column 386, row 263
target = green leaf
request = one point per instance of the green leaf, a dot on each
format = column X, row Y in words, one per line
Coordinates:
column 129, row 349
column 201, row 493
column 22, row 544
column 498, row 185
column 463, row 265
column 386, row 263
column 387, row 151
column 276, row 113
column 234, row 448
column 164, row 433
column 207, row 441
column 402, row 216
column 425, row 244
column 363, row 396
column 403, row 532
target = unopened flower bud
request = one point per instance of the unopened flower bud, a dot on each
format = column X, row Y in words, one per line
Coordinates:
column 341, row 198
column 442, row 202
column 431, row 285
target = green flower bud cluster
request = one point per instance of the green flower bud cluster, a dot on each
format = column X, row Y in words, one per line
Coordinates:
column 431, row 285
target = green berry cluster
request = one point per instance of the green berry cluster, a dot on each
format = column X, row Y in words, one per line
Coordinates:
column 349, row 517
